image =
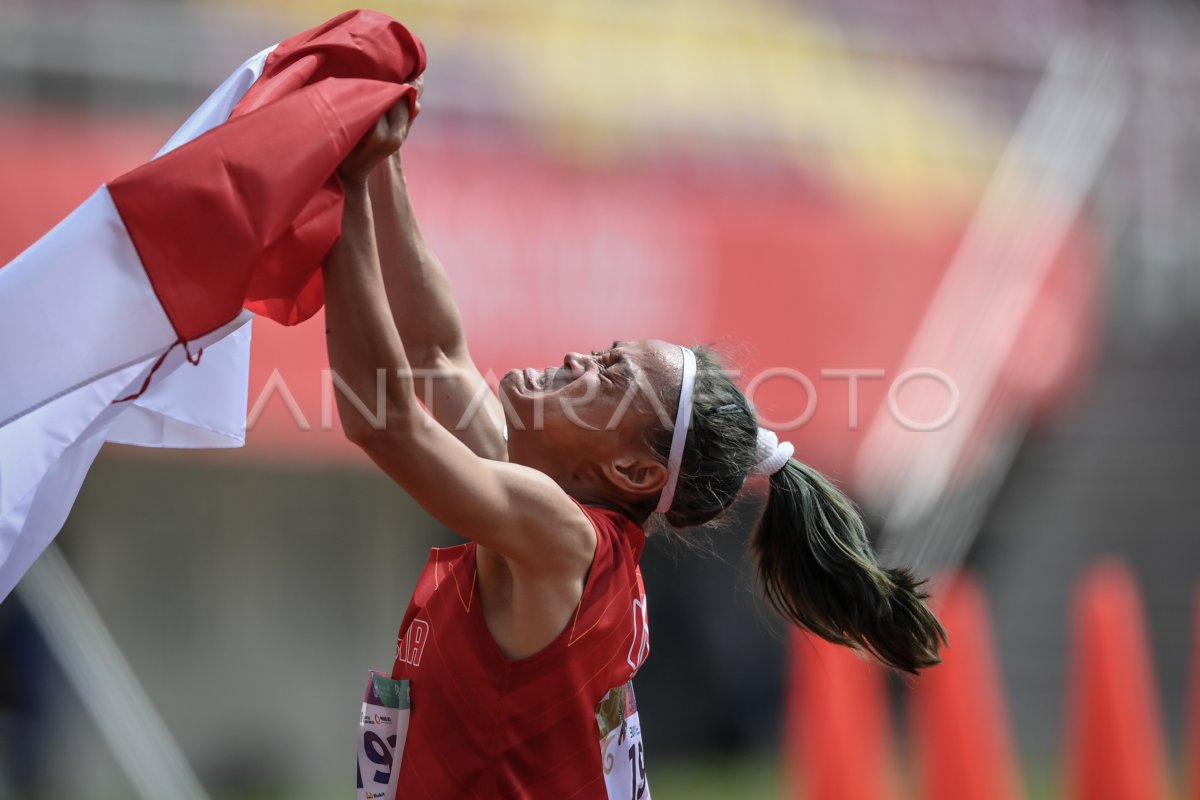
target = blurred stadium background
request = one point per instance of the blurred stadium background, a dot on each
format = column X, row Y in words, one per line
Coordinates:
column 1003, row 191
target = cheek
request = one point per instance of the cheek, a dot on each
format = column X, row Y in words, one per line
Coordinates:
column 645, row 413
column 579, row 401
column 605, row 408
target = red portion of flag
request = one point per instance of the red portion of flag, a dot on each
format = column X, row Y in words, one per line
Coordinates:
column 356, row 44
column 359, row 44
column 244, row 215
column 214, row 220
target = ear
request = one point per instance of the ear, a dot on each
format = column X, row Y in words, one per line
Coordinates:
column 636, row 474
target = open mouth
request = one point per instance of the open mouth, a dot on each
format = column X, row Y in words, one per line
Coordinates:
column 551, row 379
column 535, row 380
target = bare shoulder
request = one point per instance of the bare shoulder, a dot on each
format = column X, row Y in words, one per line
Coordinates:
column 516, row 510
column 557, row 539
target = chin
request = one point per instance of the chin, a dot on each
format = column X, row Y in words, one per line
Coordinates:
column 512, row 386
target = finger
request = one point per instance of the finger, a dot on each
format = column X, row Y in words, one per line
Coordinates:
column 397, row 115
column 382, row 138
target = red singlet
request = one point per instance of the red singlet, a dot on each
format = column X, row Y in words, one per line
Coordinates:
column 485, row 726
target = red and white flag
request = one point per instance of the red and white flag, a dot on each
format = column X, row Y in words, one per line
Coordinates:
column 168, row 263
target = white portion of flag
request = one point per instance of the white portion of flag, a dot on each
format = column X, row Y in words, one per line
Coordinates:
column 81, row 327
column 45, row 455
column 216, row 109
column 202, row 405
column 74, row 307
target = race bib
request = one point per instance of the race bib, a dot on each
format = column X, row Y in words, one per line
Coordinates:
column 624, row 759
column 382, row 728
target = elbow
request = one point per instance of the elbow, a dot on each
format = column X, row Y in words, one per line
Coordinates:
column 378, row 445
column 360, row 432
column 435, row 355
column 375, row 434
column 368, row 422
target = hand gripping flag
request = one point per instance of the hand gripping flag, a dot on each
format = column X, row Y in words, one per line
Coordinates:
column 235, row 215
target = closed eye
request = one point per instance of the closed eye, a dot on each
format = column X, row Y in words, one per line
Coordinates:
column 605, row 361
column 619, row 370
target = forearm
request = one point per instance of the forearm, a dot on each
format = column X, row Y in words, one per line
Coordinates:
column 418, row 290
column 428, row 321
column 363, row 343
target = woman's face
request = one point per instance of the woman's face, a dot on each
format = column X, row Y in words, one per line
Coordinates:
column 592, row 407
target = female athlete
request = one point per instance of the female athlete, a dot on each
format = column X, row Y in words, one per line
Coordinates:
column 520, row 644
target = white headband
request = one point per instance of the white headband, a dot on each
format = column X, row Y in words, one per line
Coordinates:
column 683, row 418
column 771, row 455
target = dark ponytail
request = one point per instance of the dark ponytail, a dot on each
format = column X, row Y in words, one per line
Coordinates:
column 818, row 570
column 814, row 561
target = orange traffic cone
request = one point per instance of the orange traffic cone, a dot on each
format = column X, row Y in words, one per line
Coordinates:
column 1192, row 756
column 837, row 738
column 961, row 731
column 1115, row 749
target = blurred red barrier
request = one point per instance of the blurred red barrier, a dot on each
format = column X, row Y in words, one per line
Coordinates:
column 549, row 255
column 961, row 731
column 1115, row 747
column 837, row 734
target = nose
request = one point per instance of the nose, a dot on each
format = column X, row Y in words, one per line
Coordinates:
column 576, row 362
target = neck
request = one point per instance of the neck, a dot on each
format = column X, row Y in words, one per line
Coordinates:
column 624, row 508
column 600, row 493
column 586, row 483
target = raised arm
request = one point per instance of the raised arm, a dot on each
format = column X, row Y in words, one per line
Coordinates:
column 426, row 315
column 515, row 511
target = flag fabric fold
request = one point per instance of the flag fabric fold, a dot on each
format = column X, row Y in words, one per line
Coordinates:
column 203, row 217
column 130, row 320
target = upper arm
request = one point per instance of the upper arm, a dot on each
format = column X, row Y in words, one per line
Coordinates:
column 519, row 512
column 460, row 399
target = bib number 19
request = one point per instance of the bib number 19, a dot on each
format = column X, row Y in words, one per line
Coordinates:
column 637, row 771
column 621, row 750
column 382, row 728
